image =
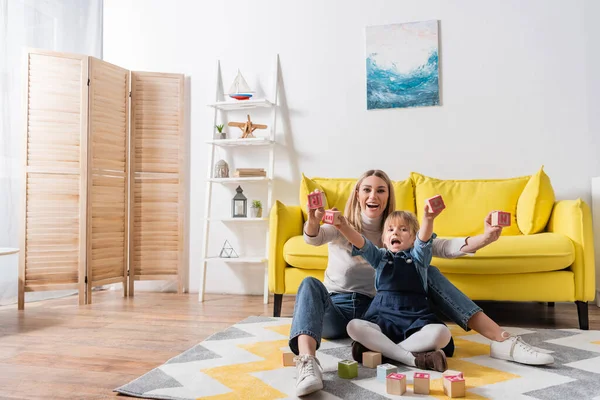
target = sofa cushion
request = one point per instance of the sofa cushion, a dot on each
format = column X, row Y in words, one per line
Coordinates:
column 509, row 255
column 515, row 255
column 535, row 204
column 301, row 255
column 337, row 191
column 468, row 202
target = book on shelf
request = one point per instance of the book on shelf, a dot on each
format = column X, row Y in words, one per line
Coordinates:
column 249, row 172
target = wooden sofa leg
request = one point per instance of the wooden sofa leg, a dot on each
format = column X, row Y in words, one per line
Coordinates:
column 582, row 312
column 277, row 305
column 550, row 304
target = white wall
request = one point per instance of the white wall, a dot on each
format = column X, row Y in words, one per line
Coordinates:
column 514, row 80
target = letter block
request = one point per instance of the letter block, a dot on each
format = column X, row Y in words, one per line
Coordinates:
column 287, row 358
column 332, row 217
column 500, row 218
column 316, row 200
column 421, row 383
column 436, row 203
column 347, row 369
column 454, row 386
column 384, row 370
column 371, row 359
column 395, row 384
column 451, row 372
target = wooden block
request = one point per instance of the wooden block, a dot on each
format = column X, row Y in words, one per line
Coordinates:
column 316, row 200
column 332, row 217
column 371, row 359
column 451, row 372
column 436, row 203
column 454, row 386
column 287, row 359
column 421, row 383
column 500, row 218
column 347, row 369
column 395, row 384
column 384, row 370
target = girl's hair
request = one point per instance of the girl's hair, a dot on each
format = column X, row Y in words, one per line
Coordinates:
column 401, row 217
column 352, row 211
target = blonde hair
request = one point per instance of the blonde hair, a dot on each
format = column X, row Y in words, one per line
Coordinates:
column 408, row 218
column 352, row 210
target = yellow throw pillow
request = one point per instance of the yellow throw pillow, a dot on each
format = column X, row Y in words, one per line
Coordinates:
column 535, row 204
column 468, row 202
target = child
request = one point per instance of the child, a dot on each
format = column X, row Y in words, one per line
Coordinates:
column 399, row 323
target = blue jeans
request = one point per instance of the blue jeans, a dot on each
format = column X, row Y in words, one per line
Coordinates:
column 446, row 297
column 322, row 315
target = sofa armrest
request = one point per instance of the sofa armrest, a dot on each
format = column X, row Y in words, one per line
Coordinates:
column 284, row 222
column 573, row 219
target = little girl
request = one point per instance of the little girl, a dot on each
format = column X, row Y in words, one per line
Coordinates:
column 399, row 323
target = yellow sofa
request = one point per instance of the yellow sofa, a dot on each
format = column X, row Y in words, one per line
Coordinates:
column 546, row 255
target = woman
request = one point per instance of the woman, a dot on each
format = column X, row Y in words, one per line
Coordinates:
column 323, row 309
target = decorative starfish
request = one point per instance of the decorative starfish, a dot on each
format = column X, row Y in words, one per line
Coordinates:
column 247, row 127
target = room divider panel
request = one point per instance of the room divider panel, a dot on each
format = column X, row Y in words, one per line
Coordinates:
column 85, row 174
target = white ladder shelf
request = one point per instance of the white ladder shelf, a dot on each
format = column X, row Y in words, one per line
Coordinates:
column 240, row 105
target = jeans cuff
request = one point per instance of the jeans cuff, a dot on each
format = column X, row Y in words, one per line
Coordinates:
column 468, row 316
column 293, row 343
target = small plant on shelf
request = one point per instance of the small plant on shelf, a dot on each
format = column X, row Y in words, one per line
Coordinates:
column 223, row 135
column 256, row 209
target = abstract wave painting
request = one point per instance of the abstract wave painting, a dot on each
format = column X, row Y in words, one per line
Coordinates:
column 402, row 65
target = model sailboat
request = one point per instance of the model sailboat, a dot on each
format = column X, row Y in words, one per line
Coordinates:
column 239, row 89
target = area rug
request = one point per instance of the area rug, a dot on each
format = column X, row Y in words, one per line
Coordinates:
column 244, row 362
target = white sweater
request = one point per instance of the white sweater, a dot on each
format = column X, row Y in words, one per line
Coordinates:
column 347, row 274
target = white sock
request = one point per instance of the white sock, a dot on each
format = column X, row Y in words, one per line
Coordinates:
column 430, row 337
column 369, row 335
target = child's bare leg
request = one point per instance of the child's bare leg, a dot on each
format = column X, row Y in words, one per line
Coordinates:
column 369, row 335
column 430, row 337
column 486, row 326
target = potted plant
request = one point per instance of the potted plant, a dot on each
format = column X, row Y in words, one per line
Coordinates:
column 222, row 135
column 256, row 209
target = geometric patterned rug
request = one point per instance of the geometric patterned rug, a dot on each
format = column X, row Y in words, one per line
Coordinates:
column 244, row 362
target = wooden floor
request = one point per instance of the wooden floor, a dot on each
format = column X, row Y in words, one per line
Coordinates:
column 57, row 349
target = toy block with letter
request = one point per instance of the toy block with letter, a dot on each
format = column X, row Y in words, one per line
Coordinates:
column 454, row 386
column 371, row 359
column 384, row 370
column 347, row 369
column 421, row 383
column 332, row 217
column 395, row 384
column 436, row 203
column 316, row 200
column 500, row 218
column 287, row 358
column 451, row 372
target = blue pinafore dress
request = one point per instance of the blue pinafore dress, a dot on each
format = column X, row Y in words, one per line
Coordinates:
column 400, row 307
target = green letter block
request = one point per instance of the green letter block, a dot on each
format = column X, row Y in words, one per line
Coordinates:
column 347, row 369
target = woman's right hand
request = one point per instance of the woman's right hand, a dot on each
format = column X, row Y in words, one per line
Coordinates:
column 316, row 214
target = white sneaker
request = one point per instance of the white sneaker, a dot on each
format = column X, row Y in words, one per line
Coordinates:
column 308, row 371
column 515, row 349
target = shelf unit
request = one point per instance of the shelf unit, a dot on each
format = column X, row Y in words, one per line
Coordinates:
column 267, row 142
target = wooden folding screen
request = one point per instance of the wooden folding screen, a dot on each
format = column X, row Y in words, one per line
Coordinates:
column 53, row 234
column 108, row 195
column 81, row 186
column 157, row 178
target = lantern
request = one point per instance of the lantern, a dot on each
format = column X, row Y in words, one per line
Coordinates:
column 239, row 205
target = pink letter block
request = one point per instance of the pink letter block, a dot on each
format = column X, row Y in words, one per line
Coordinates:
column 316, row 200
column 332, row 217
column 454, row 386
column 436, row 203
column 395, row 384
column 421, row 383
column 500, row 218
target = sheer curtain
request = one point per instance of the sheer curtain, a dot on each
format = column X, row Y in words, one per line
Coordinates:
column 73, row 26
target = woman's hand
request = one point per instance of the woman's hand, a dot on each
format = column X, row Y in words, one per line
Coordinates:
column 316, row 214
column 490, row 233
